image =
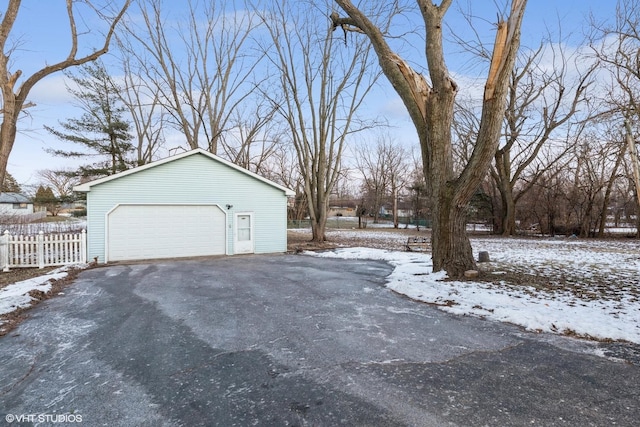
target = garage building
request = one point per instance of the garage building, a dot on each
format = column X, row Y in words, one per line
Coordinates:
column 188, row 205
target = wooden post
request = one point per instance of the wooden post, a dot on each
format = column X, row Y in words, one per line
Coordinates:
column 83, row 247
column 40, row 249
column 4, row 250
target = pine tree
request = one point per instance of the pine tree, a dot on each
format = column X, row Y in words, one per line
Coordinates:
column 10, row 185
column 45, row 197
column 101, row 131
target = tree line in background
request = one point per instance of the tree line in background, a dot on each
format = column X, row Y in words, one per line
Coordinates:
column 283, row 90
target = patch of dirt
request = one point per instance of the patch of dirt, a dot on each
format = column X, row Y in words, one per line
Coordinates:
column 514, row 278
column 9, row 321
column 299, row 241
column 384, row 238
column 20, row 274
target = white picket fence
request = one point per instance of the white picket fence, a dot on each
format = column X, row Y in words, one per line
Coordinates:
column 42, row 250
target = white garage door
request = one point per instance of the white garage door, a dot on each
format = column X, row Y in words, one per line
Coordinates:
column 164, row 231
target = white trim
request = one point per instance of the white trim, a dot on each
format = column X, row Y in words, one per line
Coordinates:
column 86, row 187
column 106, row 221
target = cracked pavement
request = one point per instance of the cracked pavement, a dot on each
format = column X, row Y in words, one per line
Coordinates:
column 295, row 340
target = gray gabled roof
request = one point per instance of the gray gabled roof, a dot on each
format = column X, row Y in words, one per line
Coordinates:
column 86, row 187
column 14, row 198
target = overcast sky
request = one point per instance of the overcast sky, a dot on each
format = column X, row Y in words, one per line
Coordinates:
column 44, row 40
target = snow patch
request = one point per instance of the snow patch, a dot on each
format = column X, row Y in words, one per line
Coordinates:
column 616, row 316
column 16, row 295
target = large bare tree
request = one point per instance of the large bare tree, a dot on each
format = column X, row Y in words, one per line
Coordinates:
column 616, row 45
column 542, row 114
column 148, row 118
column 430, row 103
column 384, row 167
column 619, row 152
column 15, row 88
column 200, row 64
column 319, row 91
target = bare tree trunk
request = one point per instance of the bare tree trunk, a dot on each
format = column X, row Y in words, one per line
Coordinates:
column 638, row 220
column 607, row 194
column 319, row 221
column 585, row 224
column 452, row 251
column 8, row 130
column 636, row 166
column 450, row 246
column 502, row 178
column 509, row 218
column 394, row 195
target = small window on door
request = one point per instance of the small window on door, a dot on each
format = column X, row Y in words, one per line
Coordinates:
column 244, row 228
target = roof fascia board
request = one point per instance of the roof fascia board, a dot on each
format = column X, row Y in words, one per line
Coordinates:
column 86, row 187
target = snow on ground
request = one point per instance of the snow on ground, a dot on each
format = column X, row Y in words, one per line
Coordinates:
column 589, row 288
column 16, row 295
column 71, row 225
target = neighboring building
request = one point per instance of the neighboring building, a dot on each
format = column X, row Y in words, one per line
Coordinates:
column 404, row 211
column 191, row 204
column 15, row 204
column 342, row 211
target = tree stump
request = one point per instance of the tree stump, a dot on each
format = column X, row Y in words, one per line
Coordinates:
column 471, row 274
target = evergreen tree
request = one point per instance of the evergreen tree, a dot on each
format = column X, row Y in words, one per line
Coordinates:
column 45, row 197
column 10, row 185
column 101, row 131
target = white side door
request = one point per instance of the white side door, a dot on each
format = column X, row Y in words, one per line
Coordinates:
column 244, row 233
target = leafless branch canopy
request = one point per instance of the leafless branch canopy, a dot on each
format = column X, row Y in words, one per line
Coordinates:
column 14, row 98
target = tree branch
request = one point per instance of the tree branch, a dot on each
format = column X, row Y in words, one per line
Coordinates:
column 71, row 60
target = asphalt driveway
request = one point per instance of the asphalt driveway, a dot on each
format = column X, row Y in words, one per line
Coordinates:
column 291, row 340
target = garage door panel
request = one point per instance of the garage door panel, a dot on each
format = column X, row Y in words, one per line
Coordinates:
column 165, row 231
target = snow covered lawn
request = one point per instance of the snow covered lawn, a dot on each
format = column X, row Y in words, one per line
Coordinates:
column 586, row 288
column 18, row 295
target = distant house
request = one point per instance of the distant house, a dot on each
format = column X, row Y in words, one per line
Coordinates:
column 191, row 204
column 343, row 207
column 15, row 204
